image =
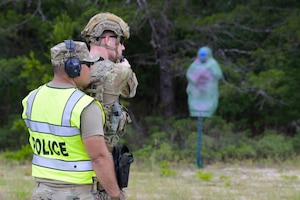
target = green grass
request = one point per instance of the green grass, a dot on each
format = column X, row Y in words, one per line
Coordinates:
column 234, row 181
column 217, row 182
column 15, row 180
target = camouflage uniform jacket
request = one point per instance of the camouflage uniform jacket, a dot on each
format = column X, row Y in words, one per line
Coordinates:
column 109, row 81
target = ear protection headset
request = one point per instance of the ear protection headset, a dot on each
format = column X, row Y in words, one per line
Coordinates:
column 72, row 64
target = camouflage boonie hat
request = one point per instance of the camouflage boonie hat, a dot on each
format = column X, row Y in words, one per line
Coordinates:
column 60, row 53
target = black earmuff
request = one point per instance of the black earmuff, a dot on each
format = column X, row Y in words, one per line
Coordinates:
column 72, row 64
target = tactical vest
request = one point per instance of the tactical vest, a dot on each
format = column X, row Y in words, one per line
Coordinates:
column 116, row 114
column 54, row 128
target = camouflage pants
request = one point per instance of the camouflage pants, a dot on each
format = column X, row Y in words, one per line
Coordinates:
column 82, row 192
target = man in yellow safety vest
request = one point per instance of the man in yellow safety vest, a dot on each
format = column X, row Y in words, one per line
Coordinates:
column 66, row 136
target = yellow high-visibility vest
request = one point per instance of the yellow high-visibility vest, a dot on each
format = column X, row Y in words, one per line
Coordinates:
column 52, row 116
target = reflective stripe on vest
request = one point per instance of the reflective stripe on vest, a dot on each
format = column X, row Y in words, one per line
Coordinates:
column 62, row 165
column 49, row 128
column 30, row 103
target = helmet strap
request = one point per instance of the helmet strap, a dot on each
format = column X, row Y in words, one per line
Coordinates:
column 118, row 57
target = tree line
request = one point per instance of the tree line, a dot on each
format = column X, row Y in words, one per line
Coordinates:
column 255, row 42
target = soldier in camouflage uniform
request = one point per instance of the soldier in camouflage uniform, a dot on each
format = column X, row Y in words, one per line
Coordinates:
column 112, row 75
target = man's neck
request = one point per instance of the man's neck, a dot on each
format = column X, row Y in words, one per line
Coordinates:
column 63, row 80
column 98, row 50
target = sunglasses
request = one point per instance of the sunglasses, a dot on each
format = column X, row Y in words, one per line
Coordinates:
column 115, row 36
column 89, row 64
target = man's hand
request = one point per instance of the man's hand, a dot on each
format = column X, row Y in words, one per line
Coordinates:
column 121, row 197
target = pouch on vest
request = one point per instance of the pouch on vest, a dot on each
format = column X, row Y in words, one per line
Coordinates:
column 114, row 118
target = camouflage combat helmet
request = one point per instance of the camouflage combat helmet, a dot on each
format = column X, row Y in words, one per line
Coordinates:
column 102, row 22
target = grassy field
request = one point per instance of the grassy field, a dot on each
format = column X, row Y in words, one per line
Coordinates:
column 233, row 181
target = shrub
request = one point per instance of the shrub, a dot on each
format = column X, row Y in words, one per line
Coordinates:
column 272, row 144
column 204, row 176
column 25, row 153
column 296, row 142
column 14, row 134
column 220, row 142
column 165, row 169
